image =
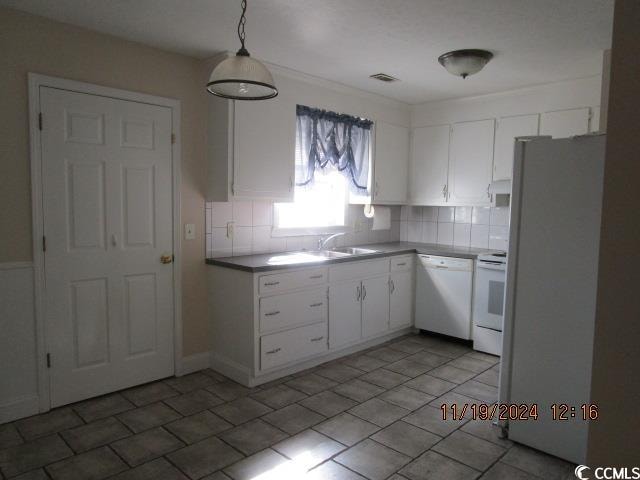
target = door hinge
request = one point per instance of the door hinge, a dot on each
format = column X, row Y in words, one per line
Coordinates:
column 48, row 360
column 44, row 243
column 173, row 138
column 40, row 121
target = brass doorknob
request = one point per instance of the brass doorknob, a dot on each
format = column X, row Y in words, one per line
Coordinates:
column 166, row 259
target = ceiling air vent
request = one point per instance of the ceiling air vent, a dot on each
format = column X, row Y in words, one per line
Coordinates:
column 383, row 77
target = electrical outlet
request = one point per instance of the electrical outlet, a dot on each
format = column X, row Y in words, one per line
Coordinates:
column 230, row 229
column 189, row 231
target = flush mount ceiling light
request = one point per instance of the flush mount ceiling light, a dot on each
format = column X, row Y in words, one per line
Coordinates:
column 242, row 77
column 463, row 63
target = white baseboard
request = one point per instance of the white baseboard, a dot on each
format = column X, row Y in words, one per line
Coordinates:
column 231, row 369
column 19, row 408
column 193, row 363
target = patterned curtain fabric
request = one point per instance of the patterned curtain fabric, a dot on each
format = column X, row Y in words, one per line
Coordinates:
column 329, row 140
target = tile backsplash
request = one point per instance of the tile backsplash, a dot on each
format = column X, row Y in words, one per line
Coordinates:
column 253, row 222
column 480, row 227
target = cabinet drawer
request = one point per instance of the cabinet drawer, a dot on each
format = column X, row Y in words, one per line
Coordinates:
column 291, row 309
column 402, row 263
column 279, row 282
column 356, row 270
column 295, row 344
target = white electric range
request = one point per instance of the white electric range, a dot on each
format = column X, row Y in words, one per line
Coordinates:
column 488, row 304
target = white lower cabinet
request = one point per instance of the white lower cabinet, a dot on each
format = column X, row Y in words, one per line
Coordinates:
column 268, row 325
column 375, row 306
column 401, row 299
column 345, row 324
column 295, row 344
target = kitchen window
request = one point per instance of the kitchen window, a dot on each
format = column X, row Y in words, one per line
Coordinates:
column 332, row 164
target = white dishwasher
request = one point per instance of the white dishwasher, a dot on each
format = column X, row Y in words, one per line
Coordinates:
column 444, row 288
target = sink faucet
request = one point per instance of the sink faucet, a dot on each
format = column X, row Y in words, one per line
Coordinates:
column 322, row 242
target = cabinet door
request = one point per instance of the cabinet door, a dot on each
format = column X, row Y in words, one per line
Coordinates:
column 401, row 300
column 429, row 165
column 391, row 164
column 507, row 129
column 565, row 123
column 471, row 162
column 375, row 306
column 264, row 149
column 345, row 326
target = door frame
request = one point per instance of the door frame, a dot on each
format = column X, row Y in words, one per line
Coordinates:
column 35, row 81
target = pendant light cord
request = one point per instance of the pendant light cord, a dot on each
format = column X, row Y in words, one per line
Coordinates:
column 241, row 35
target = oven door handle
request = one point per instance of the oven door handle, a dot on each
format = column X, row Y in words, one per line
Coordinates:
column 492, row 266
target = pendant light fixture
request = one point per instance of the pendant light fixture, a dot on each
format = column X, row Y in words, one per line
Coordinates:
column 463, row 63
column 242, row 77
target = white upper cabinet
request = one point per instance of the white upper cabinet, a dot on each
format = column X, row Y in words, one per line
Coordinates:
column 429, row 165
column 264, row 149
column 507, row 129
column 470, row 166
column 391, row 164
column 565, row 123
column 251, row 149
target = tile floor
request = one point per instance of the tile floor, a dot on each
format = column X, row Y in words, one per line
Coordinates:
column 372, row 415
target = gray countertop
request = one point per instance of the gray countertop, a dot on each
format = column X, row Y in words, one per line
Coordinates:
column 261, row 262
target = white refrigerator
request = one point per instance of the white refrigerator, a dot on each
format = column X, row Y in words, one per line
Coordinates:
column 550, row 297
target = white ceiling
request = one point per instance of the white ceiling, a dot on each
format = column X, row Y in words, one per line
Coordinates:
column 534, row 41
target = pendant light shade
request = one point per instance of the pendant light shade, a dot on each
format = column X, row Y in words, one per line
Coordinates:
column 242, row 77
column 463, row 63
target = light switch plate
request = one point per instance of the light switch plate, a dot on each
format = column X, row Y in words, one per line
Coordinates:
column 189, row 231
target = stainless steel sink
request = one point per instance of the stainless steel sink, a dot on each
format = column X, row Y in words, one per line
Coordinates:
column 329, row 253
column 312, row 256
column 353, row 250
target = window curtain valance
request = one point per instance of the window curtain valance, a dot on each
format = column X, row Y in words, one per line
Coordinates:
column 328, row 140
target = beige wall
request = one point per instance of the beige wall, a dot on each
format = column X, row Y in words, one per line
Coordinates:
column 33, row 44
column 613, row 439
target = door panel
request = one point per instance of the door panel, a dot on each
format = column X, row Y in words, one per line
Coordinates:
column 375, row 306
column 565, row 123
column 429, row 165
column 508, row 129
column 470, row 169
column 107, row 203
column 264, row 149
column 345, row 325
column 401, row 300
column 391, row 163
column 86, row 216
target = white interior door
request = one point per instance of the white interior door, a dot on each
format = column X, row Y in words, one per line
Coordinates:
column 107, row 203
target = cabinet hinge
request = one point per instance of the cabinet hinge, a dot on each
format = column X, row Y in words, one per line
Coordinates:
column 44, row 243
column 48, row 360
column 173, row 138
column 40, row 121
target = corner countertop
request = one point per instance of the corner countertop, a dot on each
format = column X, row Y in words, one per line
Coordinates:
column 260, row 262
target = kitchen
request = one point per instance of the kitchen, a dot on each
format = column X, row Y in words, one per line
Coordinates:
column 346, row 261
